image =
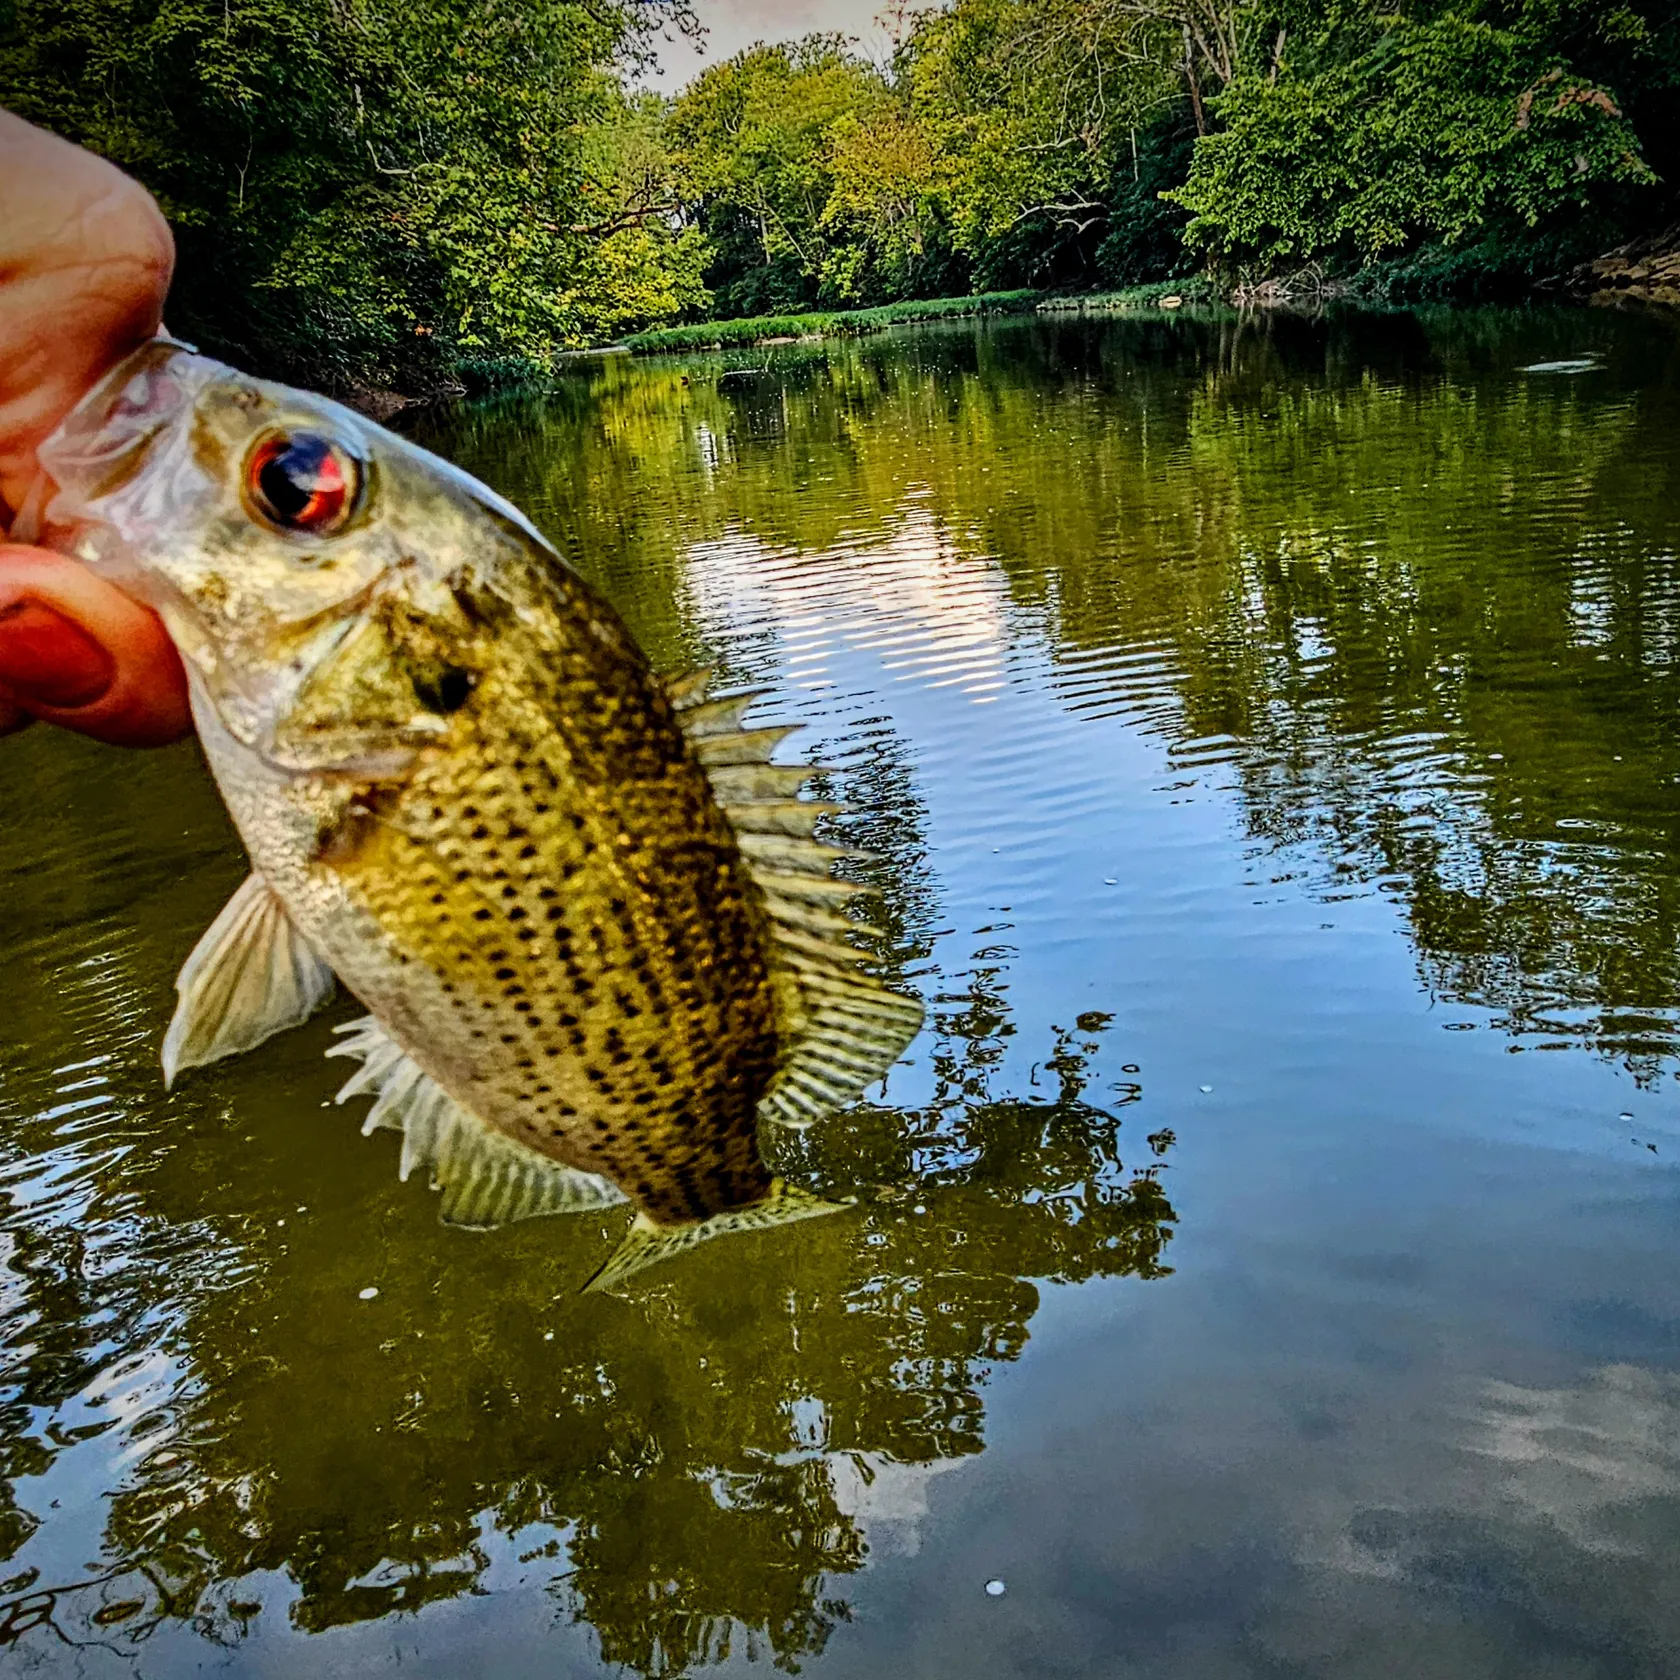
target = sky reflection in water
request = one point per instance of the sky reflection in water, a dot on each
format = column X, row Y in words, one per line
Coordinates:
column 1267, row 733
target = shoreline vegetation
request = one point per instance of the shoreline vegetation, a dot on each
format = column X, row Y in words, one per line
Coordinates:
column 756, row 331
column 397, row 203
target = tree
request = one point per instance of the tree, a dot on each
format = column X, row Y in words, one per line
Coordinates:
column 363, row 194
column 1403, row 128
column 755, row 137
column 1036, row 106
column 880, row 217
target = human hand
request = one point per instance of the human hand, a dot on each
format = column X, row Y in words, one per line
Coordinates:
column 85, row 260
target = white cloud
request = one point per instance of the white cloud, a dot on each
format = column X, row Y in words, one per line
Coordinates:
column 733, row 25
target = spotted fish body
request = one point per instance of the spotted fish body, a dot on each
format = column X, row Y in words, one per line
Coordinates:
column 596, row 937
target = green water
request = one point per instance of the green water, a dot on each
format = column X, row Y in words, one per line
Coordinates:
column 1266, row 1262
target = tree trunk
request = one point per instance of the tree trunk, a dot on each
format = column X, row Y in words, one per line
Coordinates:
column 1195, row 86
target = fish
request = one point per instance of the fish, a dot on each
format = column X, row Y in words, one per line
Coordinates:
column 598, row 939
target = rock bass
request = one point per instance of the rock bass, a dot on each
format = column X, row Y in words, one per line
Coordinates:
column 597, row 939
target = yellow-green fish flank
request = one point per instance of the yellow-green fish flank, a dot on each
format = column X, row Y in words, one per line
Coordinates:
column 596, row 936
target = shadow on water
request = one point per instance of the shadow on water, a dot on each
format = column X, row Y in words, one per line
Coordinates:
column 1414, row 610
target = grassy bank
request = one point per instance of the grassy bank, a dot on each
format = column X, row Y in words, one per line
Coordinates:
column 835, row 323
column 1158, row 293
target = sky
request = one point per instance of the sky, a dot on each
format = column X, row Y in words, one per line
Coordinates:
column 734, row 24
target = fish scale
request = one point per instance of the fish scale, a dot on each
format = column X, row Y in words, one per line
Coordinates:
column 597, row 939
column 602, row 947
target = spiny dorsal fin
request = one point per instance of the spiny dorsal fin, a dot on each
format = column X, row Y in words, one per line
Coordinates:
column 740, row 746
column 796, row 817
column 844, row 1029
column 755, row 782
column 647, row 1243
column 251, row 975
column 718, row 717
column 690, row 688
column 486, row 1178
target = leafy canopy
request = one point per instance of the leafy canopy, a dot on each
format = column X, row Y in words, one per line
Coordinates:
column 371, row 192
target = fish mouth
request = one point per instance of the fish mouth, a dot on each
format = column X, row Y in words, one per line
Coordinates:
column 104, row 441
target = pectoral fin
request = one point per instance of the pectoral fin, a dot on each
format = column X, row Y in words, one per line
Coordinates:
column 487, row 1179
column 647, row 1243
column 251, row 975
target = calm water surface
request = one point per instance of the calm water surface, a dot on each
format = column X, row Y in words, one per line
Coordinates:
column 1268, row 1262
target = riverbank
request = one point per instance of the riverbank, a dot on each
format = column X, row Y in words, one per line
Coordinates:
column 1646, row 271
column 752, row 330
column 1643, row 271
column 831, row 323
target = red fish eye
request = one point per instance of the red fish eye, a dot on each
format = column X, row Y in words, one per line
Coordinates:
column 301, row 481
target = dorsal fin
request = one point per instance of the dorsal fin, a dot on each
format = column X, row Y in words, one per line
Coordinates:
column 843, row 1028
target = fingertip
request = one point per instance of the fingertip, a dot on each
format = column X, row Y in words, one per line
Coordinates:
column 76, row 651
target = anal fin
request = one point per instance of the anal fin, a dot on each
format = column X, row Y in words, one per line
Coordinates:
column 250, row 976
column 486, row 1179
column 647, row 1243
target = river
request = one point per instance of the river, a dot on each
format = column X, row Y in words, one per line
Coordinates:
column 1267, row 1263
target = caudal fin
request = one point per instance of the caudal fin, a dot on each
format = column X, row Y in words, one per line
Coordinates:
column 647, row 1243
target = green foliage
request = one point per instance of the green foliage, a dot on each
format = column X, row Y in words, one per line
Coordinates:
column 1113, row 143
column 1034, row 108
column 371, row 194
column 843, row 323
column 757, row 136
column 451, row 192
column 1444, row 129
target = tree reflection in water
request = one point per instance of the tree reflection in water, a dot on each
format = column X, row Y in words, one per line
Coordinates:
column 676, row 1452
column 691, row 1467
column 1420, row 611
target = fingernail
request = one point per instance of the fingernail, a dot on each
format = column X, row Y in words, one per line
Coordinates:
column 45, row 660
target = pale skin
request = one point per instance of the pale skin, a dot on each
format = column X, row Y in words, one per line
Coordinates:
column 85, row 263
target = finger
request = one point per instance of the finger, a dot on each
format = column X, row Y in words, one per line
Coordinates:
column 85, row 261
column 76, row 651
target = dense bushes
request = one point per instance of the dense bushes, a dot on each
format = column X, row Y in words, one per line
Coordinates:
column 368, row 192
column 453, row 191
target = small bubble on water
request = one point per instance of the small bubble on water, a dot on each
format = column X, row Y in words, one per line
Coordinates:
column 1625, row 1115
column 1207, row 1090
column 995, row 1589
column 367, row 1294
column 1109, row 881
column 548, row 1335
column 918, row 1208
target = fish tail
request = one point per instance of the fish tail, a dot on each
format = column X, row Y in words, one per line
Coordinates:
column 647, row 1243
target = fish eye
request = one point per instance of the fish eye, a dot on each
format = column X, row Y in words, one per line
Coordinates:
column 302, row 481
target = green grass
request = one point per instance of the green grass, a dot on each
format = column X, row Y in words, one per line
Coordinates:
column 833, row 323
column 1193, row 288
